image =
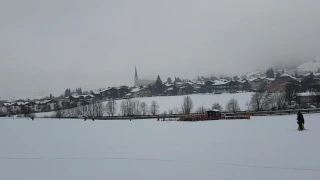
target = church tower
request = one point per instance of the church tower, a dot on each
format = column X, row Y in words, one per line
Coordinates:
column 136, row 79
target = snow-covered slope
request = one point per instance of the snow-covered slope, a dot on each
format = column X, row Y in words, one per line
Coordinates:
column 263, row 148
column 253, row 74
column 309, row 66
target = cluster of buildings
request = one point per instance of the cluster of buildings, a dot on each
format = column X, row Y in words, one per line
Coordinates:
column 217, row 86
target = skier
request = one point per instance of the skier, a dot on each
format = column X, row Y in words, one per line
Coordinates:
column 300, row 121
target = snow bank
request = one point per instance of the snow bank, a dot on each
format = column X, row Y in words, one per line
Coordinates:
column 263, row 148
column 45, row 114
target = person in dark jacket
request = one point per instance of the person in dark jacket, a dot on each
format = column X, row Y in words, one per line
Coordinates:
column 300, row 121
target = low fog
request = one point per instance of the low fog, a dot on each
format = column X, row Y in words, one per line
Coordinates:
column 48, row 46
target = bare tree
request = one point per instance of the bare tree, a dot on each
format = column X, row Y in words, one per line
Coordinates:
column 99, row 109
column 136, row 107
column 60, row 113
column 84, row 108
column 78, row 111
column 291, row 91
column 201, row 110
column 91, row 110
column 154, row 108
column 273, row 101
column 95, row 109
column 123, row 108
column 260, row 101
column 217, row 106
column 187, row 105
column 170, row 111
column 144, row 108
column 281, row 100
column 128, row 107
column 111, row 107
column 73, row 112
column 176, row 110
column 248, row 104
column 232, row 105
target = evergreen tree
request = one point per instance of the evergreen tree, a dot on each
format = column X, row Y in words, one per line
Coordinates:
column 67, row 93
column 270, row 73
column 176, row 80
column 235, row 78
column 175, row 90
column 169, row 80
column 278, row 75
column 158, row 86
column 283, row 71
column 79, row 91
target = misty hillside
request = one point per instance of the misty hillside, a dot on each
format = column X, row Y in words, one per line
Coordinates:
column 290, row 67
column 312, row 66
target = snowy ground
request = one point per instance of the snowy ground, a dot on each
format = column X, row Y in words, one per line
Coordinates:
column 171, row 102
column 262, row 148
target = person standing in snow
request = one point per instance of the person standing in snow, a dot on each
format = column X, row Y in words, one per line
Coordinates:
column 300, row 121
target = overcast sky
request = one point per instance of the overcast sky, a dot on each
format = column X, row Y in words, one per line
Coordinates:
column 47, row 46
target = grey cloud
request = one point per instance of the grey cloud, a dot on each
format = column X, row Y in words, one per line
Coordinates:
column 47, row 46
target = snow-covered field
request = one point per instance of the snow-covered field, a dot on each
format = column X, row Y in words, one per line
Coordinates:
column 262, row 148
column 171, row 102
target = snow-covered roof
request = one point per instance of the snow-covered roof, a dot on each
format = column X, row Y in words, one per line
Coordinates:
column 137, row 89
column 82, row 96
column 200, row 83
column 270, row 79
column 219, row 82
column 287, row 75
column 102, row 90
column 242, row 81
column 16, row 103
column 6, row 104
column 308, row 94
column 307, row 74
column 216, row 110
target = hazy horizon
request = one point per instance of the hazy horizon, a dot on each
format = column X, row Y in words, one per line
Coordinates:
column 48, row 46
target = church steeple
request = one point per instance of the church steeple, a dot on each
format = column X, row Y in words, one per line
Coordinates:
column 136, row 79
column 136, row 73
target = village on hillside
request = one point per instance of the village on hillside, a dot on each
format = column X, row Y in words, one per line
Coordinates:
column 299, row 87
